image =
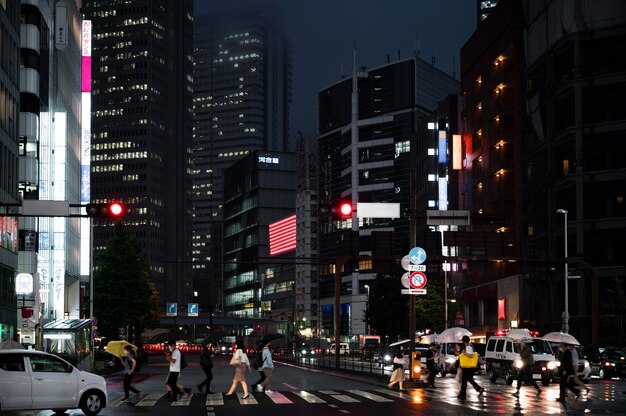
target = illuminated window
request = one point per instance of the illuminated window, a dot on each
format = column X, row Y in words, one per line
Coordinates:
column 365, row 265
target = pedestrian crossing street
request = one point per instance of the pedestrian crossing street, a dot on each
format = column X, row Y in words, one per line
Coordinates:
column 274, row 398
column 496, row 399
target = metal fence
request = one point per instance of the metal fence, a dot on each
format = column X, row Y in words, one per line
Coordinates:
column 347, row 363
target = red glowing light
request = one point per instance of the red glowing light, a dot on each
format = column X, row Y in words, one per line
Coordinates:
column 116, row 209
column 345, row 209
column 283, row 235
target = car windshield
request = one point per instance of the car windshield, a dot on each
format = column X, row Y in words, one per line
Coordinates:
column 538, row 346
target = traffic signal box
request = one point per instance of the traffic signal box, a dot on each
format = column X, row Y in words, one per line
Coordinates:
column 416, row 370
column 112, row 210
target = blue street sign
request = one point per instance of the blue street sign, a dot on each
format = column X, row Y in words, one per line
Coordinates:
column 192, row 309
column 171, row 309
column 417, row 255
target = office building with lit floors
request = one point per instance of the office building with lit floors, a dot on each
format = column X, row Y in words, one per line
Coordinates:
column 241, row 100
column 260, row 236
column 575, row 167
column 364, row 146
column 141, row 131
column 9, row 194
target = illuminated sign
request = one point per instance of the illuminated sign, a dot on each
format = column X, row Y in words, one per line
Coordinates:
column 269, row 160
column 85, row 152
column 8, row 233
column 501, row 309
column 24, row 284
column 457, row 153
column 283, row 236
column 443, row 194
column 443, row 147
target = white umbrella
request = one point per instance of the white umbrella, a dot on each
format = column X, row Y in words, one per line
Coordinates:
column 404, row 341
column 11, row 345
column 520, row 335
column 452, row 335
column 561, row 337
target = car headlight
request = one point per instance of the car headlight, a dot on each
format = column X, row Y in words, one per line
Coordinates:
column 552, row 365
column 450, row 360
column 519, row 364
column 586, row 364
column 387, row 357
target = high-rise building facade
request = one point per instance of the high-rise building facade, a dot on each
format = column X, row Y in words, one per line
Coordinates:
column 573, row 161
column 9, row 194
column 307, row 290
column 141, row 130
column 242, row 95
column 364, row 151
column 259, row 191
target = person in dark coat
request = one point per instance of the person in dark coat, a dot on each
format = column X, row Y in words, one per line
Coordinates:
column 206, row 363
column 467, row 375
column 526, row 372
column 431, row 360
column 566, row 370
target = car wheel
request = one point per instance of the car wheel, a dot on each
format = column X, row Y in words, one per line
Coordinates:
column 545, row 381
column 493, row 377
column 602, row 374
column 92, row 402
column 508, row 377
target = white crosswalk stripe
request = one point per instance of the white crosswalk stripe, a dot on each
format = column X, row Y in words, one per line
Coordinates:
column 249, row 400
column 214, row 399
column 370, row 396
column 345, row 399
column 150, row 399
column 278, row 398
column 311, row 398
column 183, row 400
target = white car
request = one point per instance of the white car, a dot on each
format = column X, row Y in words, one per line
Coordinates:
column 36, row 380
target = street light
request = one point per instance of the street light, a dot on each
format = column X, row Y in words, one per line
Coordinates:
column 367, row 304
column 566, row 312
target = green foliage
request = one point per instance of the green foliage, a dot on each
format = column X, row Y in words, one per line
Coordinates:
column 429, row 308
column 124, row 295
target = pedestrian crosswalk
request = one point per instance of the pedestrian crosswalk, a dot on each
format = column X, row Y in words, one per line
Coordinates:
column 276, row 397
column 496, row 399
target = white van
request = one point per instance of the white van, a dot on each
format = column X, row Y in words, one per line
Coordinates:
column 503, row 360
column 344, row 348
column 36, row 380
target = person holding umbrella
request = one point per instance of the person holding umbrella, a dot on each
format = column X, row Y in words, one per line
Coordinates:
column 567, row 370
column 526, row 372
column 130, row 366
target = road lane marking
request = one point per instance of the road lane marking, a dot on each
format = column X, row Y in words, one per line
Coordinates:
column 344, row 411
column 345, row 399
column 395, row 394
column 150, row 399
column 329, row 392
column 214, row 399
column 370, row 396
column 334, row 406
column 249, row 400
column 278, row 398
column 309, row 397
column 290, row 386
column 183, row 400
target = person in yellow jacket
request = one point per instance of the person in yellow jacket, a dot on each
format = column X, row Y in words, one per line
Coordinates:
column 468, row 360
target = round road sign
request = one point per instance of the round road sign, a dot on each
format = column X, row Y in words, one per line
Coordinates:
column 417, row 280
column 405, row 262
column 417, row 255
column 405, row 280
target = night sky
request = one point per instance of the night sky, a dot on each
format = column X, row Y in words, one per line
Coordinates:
column 323, row 33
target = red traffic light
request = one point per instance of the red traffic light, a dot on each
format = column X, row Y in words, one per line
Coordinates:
column 345, row 209
column 116, row 210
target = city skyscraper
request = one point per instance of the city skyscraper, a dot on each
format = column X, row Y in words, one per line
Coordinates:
column 242, row 94
column 9, row 113
column 366, row 128
column 141, row 130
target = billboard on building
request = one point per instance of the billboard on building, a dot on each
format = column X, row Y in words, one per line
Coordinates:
column 283, row 235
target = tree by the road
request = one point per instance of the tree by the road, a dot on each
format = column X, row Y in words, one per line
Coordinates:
column 124, row 295
column 388, row 309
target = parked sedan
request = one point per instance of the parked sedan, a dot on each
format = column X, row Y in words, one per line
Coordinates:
column 35, row 380
column 612, row 363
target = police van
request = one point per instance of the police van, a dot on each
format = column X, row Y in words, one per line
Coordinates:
column 503, row 359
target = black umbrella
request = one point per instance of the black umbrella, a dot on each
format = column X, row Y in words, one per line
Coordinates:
column 268, row 338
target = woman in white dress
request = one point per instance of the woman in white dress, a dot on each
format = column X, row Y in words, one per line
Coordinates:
column 397, row 376
column 240, row 361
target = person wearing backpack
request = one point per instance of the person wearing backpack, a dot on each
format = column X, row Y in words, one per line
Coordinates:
column 130, row 368
column 257, row 364
column 206, row 362
column 177, row 364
